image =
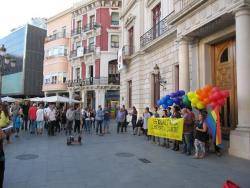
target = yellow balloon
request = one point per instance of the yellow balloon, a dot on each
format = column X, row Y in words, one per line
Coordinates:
column 195, row 100
column 191, row 95
column 200, row 105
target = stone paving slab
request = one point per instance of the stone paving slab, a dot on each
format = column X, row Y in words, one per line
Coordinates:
column 96, row 165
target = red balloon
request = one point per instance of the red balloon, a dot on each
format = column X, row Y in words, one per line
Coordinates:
column 213, row 105
column 225, row 94
column 216, row 96
column 215, row 89
column 221, row 102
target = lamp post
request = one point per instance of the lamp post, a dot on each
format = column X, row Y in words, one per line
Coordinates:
column 6, row 61
column 158, row 77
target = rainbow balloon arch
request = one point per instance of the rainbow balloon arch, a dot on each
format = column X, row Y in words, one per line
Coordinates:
column 208, row 97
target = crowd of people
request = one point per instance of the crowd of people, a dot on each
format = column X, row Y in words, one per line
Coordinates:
column 72, row 119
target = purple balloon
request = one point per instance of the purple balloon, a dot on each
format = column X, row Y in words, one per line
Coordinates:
column 181, row 93
column 172, row 95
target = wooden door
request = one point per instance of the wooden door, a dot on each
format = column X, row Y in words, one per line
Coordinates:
column 225, row 78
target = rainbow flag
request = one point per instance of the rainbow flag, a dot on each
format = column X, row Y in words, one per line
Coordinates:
column 213, row 123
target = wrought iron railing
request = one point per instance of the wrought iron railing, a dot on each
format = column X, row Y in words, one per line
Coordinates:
column 76, row 53
column 114, row 44
column 92, row 81
column 156, row 31
column 76, row 31
column 90, row 49
column 91, row 26
column 55, row 36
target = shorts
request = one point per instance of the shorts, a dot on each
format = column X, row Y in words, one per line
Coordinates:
column 39, row 124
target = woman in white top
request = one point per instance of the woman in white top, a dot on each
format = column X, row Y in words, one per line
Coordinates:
column 40, row 119
column 146, row 116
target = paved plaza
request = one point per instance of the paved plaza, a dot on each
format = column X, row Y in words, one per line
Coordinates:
column 112, row 161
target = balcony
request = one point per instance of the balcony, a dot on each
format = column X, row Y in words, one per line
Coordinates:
column 114, row 23
column 79, row 52
column 54, row 86
column 76, row 31
column 55, row 37
column 91, row 26
column 93, row 81
column 155, row 32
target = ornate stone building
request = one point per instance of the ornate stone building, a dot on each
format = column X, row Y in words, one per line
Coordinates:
column 94, row 44
column 194, row 43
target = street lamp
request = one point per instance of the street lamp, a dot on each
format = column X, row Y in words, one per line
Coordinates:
column 159, row 78
column 6, row 61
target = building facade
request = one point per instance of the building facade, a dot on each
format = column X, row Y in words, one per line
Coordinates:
column 56, row 67
column 194, row 43
column 95, row 33
column 25, row 45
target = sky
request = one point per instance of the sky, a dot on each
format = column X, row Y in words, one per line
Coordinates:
column 14, row 13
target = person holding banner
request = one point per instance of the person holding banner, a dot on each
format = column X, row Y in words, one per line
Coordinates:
column 176, row 114
column 201, row 136
column 156, row 115
column 166, row 114
column 146, row 116
column 187, row 131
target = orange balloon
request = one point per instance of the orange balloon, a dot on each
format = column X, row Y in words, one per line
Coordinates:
column 206, row 101
column 198, row 91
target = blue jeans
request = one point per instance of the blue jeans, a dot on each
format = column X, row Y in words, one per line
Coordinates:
column 88, row 126
column 187, row 142
column 32, row 126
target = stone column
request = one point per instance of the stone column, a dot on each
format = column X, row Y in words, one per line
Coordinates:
column 84, row 98
column 70, row 94
column 184, row 80
column 45, row 94
column 240, row 138
column 99, row 98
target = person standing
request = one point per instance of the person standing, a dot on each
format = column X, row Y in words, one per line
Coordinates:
column 32, row 118
column 58, row 122
column 84, row 112
column 201, row 136
column 125, row 124
column 176, row 114
column 77, row 118
column 134, row 119
column 99, row 119
column 5, row 120
column 88, row 121
column 156, row 115
column 15, row 111
column 51, row 117
column 25, row 108
column 188, row 128
column 120, row 118
column 70, row 119
column 40, row 119
column 63, row 119
column 166, row 114
column 146, row 116
column 2, row 158
column 106, row 120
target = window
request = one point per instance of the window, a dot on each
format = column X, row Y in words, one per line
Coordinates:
column 114, row 18
column 92, row 21
column 77, row 73
column 156, row 19
column 114, row 41
column 79, row 27
column 64, row 31
column 54, row 79
column 130, row 94
column 56, row 51
column 131, row 40
column 91, row 43
column 224, row 56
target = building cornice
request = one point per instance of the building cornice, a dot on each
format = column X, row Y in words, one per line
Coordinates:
column 128, row 7
column 61, row 14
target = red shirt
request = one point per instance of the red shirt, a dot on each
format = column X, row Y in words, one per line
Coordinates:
column 32, row 113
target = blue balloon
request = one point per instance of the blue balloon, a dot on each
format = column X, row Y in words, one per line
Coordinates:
column 172, row 95
column 181, row 93
column 167, row 97
column 159, row 103
column 165, row 106
column 170, row 102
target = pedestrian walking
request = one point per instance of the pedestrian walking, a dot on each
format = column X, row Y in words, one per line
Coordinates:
column 40, row 119
column 32, row 118
column 77, row 118
column 70, row 119
column 99, row 119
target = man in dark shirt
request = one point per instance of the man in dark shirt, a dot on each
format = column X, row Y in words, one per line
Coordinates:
column 25, row 108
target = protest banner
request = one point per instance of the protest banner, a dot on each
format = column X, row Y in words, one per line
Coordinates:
column 166, row 128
